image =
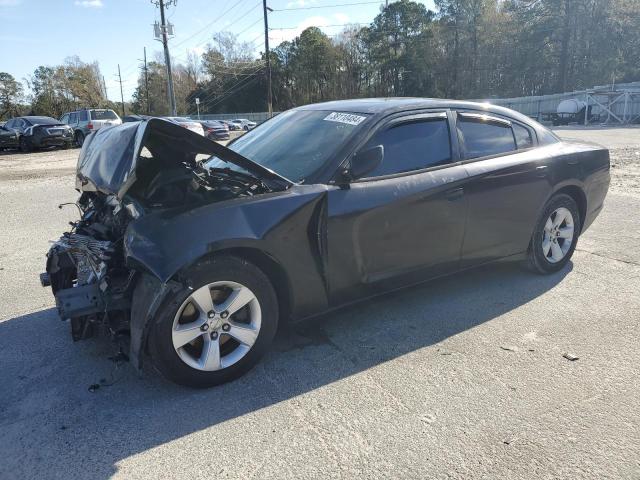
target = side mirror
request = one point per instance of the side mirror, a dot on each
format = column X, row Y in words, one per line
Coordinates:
column 365, row 161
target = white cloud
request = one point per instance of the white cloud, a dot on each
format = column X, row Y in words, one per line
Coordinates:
column 341, row 17
column 197, row 50
column 300, row 3
column 279, row 36
column 89, row 3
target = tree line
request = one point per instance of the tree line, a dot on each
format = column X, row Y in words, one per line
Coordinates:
column 54, row 90
column 467, row 49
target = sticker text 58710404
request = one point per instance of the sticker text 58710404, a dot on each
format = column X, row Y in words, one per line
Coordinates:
column 348, row 118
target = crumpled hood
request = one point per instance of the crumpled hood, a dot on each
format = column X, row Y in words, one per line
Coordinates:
column 110, row 156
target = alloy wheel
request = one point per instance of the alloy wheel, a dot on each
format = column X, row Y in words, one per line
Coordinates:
column 216, row 326
column 558, row 235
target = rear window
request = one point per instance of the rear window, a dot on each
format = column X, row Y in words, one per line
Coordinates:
column 42, row 121
column 485, row 137
column 103, row 115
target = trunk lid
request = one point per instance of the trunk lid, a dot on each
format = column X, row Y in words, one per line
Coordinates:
column 110, row 157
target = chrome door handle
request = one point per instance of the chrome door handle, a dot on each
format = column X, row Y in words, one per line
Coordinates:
column 541, row 171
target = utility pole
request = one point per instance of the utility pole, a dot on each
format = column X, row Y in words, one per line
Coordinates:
column 167, row 58
column 266, row 49
column 146, row 81
column 121, row 93
column 104, row 84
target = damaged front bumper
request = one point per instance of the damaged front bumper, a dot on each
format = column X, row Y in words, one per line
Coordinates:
column 122, row 308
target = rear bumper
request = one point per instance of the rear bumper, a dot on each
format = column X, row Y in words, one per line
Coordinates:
column 596, row 192
column 51, row 141
column 218, row 136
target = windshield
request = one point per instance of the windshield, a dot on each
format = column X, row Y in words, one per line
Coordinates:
column 103, row 115
column 296, row 143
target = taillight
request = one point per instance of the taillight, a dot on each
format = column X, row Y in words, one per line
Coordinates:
column 90, row 126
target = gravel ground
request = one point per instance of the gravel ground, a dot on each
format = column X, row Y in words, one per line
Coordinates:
column 624, row 146
column 461, row 378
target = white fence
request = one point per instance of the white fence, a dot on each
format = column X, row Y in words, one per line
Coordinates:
column 626, row 107
column 622, row 101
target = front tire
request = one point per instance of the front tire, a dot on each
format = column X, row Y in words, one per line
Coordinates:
column 555, row 236
column 217, row 330
column 25, row 147
column 79, row 139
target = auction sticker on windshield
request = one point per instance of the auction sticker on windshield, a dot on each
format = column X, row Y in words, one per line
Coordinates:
column 348, row 118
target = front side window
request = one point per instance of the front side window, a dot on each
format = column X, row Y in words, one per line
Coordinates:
column 73, row 118
column 481, row 136
column 413, row 146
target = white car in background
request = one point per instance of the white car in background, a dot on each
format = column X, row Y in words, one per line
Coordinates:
column 188, row 124
column 244, row 124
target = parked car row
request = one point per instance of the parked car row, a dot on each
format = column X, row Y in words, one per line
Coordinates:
column 32, row 132
column 27, row 133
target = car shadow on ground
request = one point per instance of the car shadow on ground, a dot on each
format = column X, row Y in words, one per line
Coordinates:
column 47, row 382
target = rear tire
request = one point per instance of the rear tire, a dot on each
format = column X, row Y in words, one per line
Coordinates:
column 241, row 338
column 555, row 235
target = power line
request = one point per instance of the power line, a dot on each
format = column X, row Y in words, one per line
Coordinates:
column 241, row 17
column 326, row 6
column 252, row 25
column 225, row 94
column 322, row 26
column 210, row 23
column 222, row 98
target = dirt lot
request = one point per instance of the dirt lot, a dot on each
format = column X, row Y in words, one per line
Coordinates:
column 461, row 378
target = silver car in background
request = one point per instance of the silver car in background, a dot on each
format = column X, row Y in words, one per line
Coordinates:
column 187, row 123
column 244, row 124
column 87, row 120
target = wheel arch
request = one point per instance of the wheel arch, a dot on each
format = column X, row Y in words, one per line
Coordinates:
column 274, row 271
column 578, row 195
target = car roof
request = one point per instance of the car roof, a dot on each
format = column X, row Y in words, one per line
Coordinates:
column 386, row 106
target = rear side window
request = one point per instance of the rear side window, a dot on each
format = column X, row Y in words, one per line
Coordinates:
column 83, row 116
column 523, row 136
column 103, row 115
column 483, row 137
column 413, row 146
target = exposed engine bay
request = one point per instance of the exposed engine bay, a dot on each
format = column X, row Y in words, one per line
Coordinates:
column 87, row 267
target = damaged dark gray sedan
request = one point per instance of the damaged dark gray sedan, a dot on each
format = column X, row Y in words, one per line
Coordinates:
column 197, row 251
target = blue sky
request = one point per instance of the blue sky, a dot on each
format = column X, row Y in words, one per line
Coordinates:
column 45, row 32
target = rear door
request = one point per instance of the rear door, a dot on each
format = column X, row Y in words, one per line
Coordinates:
column 507, row 185
column 405, row 221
